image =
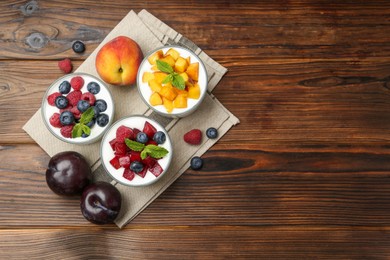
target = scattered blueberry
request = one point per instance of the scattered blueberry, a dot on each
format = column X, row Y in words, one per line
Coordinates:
column 159, row 137
column 136, row 166
column 142, row 138
column 61, row 102
column 91, row 123
column 101, row 105
column 66, row 118
column 102, row 120
column 78, row 47
column 82, row 105
column 93, row 87
column 212, row 133
column 64, row 87
column 196, row 163
column 96, row 112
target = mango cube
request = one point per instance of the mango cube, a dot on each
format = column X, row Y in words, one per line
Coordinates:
column 188, row 59
column 159, row 76
column 194, row 91
column 193, row 71
column 168, row 92
column 180, row 102
column 180, row 65
column 168, row 59
column 155, row 99
column 155, row 56
column 147, row 76
column 184, row 76
column 168, row 104
column 174, row 53
column 154, row 85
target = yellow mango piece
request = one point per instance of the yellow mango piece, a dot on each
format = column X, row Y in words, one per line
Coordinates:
column 188, row 59
column 180, row 65
column 181, row 92
column 155, row 99
column 160, row 76
column 180, row 101
column 168, row 104
column 168, row 93
column 174, row 53
column 184, row 76
column 188, row 85
column 193, row 71
column 168, row 59
column 194, row 91
column 154, row 68
column 154, row 85
column 147, row 76
column 155, row 56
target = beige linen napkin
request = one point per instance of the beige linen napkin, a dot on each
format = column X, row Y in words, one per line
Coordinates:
column 150, row 33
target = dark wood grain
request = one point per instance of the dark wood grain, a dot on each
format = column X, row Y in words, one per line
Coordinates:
column 305, row 175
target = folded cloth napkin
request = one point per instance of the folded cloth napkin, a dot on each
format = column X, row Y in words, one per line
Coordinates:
column 150, row 33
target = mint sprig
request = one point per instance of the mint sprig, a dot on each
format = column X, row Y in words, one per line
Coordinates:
column 175, row 78
column 81, row 126
column 152, row 150
column 133, row 145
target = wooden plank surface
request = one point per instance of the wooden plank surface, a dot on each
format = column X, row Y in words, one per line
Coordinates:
column 306, row 174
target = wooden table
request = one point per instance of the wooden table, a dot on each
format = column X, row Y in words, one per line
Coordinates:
column 306, row 174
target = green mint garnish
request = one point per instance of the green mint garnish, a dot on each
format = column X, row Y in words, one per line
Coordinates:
column 176, row 79
column 154, row 151
column 81, row 127
column 133, row 145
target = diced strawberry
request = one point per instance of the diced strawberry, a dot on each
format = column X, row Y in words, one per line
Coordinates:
column 120, row 149
column 124, row 161
column 135, row 156
column 149, row 130
column 156, row 169
column 124, row 132
column 151, row 141
column 136, row 131
column 128, row 174
column 149, row 162
column 87, row 96
column 115, row 162
column 143, row 172
column 52, row 98
column 112, row 144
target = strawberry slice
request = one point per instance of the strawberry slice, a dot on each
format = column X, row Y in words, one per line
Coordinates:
column 136, row 131
column 151, row 141
column 120, row 149
column 112, row 144
column 143, row 172
column 128, row 174
column 135, row 156
column 149, row 130
column 124, row 132
column 149, row 162
column 115, row 162
column 156, row 169
column 124, row 161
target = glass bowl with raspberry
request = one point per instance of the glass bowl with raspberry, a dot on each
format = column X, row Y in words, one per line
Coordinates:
column 172, row 81
column 78, row 108
column 136, row 151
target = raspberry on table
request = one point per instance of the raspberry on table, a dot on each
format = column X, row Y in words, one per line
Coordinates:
column 65, row 65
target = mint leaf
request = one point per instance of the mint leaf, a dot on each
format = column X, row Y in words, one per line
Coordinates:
column 77, row 131
column 87, row 116
column 178, row 81
column 133, row 145
column 167, row 79
column 164, row 67
column 154, row 151
column 86, row 129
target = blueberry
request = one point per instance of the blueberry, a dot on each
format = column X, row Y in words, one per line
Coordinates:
column 96, row 112
column 101, row 105
column 78, row 47
column 136, row 166
column 61, row 102
column 196, row 163
column 91, row 123
column 212, row 133
column 84, row 135
column 142, row 138
column 159, row 137
column 93, row 87
column 66, row 118
column 102, row 120
column 82, row 105
column 64, row 87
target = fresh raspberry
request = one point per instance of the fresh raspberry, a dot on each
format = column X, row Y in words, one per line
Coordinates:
column 68, row 108
column 77, row 82
column 75, row 112
column 74, row 97
column 193, row 137
column 124, row 132
column 55, row 120
column 65, row 65
column 51, row 99
column 89, row 97
column 66, row 131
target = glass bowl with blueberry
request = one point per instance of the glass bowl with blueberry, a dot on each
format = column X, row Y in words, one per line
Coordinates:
column 136, row 151
column 78, row 108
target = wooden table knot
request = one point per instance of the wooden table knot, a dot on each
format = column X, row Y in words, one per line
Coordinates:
column 37, row 40
column 29, row 8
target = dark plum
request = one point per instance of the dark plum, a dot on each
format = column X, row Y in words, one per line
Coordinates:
column 100, row 203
